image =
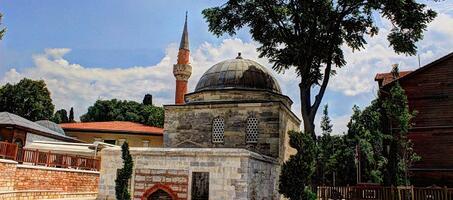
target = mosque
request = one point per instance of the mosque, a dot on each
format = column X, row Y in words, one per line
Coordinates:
column 225, row 140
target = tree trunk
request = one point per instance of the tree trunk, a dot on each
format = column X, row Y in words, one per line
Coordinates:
column 306, row 109
column 309, row 127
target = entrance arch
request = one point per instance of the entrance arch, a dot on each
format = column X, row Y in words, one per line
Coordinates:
column 159, row 192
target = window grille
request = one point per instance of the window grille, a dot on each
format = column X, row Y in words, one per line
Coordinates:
column 218, row 130
column 251, row 135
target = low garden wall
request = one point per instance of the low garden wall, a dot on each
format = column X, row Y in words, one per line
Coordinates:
column 39, row 182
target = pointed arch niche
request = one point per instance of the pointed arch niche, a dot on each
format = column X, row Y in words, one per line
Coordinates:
column 159, row 192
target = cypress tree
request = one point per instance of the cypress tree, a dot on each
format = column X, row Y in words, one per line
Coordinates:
column 71, row 115
column 124, row 174
column 148, row 99
column 296, row 173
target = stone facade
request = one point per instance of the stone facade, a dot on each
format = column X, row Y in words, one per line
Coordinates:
column 146, row 179
column 226, row 140
column 190, row 125
column 238, row 95
column 233, row 173
column 19, row 181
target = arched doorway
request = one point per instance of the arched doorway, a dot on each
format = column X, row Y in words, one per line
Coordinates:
column 159, row 192
column 159, row 195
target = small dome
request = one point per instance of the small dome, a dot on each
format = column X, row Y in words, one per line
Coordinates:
column 51, row 125
column 238, row 73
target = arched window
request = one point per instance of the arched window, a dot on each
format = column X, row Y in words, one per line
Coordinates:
column 218, row 130
column 251, row 131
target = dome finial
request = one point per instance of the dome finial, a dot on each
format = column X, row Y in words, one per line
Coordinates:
column 239, row 56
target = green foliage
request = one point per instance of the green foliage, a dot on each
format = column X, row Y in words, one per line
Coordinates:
column 326, row 149
column 365, row 130
column 329, row 158
column 342, row 162
column 397, row 111
column 124, row 174
column 61, row 116
column 28, row 98
column 385, row 155
column 326, row 126
column 71, row 115
column 310, row 35
column 2, row 30
column 297, row 172
column 117, row 110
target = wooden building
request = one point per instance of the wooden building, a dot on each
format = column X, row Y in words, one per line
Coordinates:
column 18, row 130
column 430, row 92
column 116, row 132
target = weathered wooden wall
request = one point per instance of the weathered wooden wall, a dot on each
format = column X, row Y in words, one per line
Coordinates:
column 430, row 93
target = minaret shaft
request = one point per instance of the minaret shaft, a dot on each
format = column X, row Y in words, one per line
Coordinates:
column 182, row 70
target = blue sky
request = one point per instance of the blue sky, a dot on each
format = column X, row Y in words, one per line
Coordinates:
column 88, row 50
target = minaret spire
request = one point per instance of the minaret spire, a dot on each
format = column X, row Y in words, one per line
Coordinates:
column 185, row 37
column 182, row 70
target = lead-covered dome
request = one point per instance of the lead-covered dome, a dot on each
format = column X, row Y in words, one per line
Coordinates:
column 238, row 73
column 52, row 126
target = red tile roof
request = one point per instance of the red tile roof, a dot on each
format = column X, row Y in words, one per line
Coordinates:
column 388, row 77
column 112, row 126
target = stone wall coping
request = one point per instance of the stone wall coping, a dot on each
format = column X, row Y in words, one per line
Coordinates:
column 193, row 152
column 56, row 169
column 25, row 191
column 8, row 161
column 59, row 191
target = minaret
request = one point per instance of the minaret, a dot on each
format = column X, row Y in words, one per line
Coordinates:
column 182, row 70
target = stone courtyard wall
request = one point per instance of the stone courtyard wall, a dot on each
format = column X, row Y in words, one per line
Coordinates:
column 7, row 175
column 236, row 174
column 19, row 181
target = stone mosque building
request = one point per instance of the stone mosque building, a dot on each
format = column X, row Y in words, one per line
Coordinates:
column 225, row 140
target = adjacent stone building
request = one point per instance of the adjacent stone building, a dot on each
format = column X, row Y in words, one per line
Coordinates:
column 225, row 140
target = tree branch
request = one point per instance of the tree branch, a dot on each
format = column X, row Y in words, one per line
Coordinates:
column 322, row 89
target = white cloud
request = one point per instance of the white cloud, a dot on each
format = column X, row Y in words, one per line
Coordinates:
column 358, row 75
column 72, row 84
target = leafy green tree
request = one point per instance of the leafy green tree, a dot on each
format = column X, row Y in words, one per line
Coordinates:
column 343, row 162
column 397, row 111
column 117, row 110
column 153, row 116
column 124, row 174
column 28, row 98
column 2, row 30
column 297, row 172
column 326, row 126
column 365, row 131
column 309, row 36
column 71, row 115
column 61, row 116
column 327, row 149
